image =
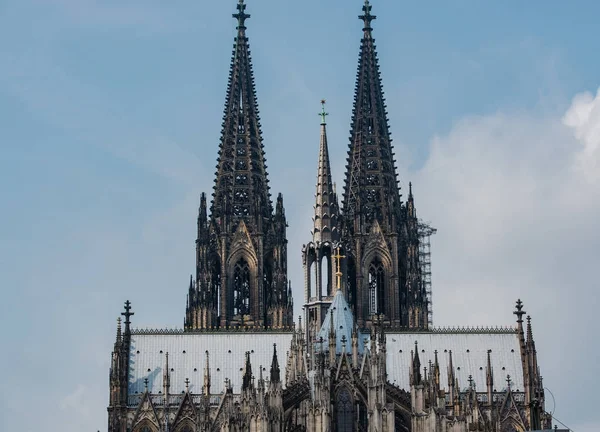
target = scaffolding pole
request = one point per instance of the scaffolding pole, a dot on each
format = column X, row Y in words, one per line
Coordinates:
column 425, row 233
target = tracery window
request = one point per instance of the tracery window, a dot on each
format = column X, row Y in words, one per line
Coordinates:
column 345, row 411
column 372, row 195
column 241, row 195
column 240, row 210
column 241, row 288
column 376, row 287
column 372, row 179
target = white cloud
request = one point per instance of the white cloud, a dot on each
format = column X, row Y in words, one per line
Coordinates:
column 584, row 118
column 73, row 401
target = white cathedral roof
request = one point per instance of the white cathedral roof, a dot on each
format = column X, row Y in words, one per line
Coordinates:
column 469, row 356
column 187, row 358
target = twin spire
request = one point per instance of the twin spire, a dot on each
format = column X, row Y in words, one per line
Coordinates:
column 241, row 185
column 371, row 185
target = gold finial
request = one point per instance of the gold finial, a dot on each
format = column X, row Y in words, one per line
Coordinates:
column 338, row 272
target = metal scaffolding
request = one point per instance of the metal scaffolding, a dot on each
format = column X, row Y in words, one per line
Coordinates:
column 425, row 233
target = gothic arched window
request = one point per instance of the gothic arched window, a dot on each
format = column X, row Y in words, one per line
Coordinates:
column 241, row 288
column 376, row 287
column 145, row 429
column 345, row 411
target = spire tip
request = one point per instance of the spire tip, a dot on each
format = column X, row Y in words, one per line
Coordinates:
column 241, row 15
column 323, row 114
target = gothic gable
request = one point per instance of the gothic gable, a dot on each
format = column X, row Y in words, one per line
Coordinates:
column 377, row 247
column 146, row 414
column 510, row 416
column 186, row 414
column 344, row 369
column 241, row 244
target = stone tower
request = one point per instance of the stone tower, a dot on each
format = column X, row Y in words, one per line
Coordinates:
column 378, row 230
column 241, row 248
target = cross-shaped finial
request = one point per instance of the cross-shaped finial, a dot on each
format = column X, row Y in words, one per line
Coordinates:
column 338, row 256
column 187, row 385
column 470, row 381
column 367, row 17
column 127, row 314
column 519, row 312
column 508, row 381
column 146, row 383
column 323, row 114
column 241, row 15
column 344, row 340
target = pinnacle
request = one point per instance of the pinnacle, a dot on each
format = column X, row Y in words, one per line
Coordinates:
column 325, row 219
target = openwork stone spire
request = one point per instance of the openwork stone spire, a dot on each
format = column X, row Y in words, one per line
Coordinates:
column 370, row 186
column 326, row 211
column 241, row 185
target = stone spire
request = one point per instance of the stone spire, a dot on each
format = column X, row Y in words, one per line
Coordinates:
column 241, row 185
column 371, row 187
column 326, row 209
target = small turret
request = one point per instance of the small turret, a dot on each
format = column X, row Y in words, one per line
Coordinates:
column 119, row 339
column 417, row 391
column 261, row 385
column 332, row 341
column 451, row 378
column 166, row 376
column 416, row 367
column 534, row 390
column 275, row 375
column 206, row 388
column 489, row 377
column 247, row 377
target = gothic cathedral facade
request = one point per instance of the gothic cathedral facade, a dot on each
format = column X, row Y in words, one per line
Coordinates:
column 367, row 357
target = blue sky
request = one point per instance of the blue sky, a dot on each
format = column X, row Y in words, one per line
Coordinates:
column 111, row 114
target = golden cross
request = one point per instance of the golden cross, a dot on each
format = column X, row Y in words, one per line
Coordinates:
column 338, row 273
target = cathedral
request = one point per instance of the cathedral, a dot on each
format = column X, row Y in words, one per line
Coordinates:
column 365, row 356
